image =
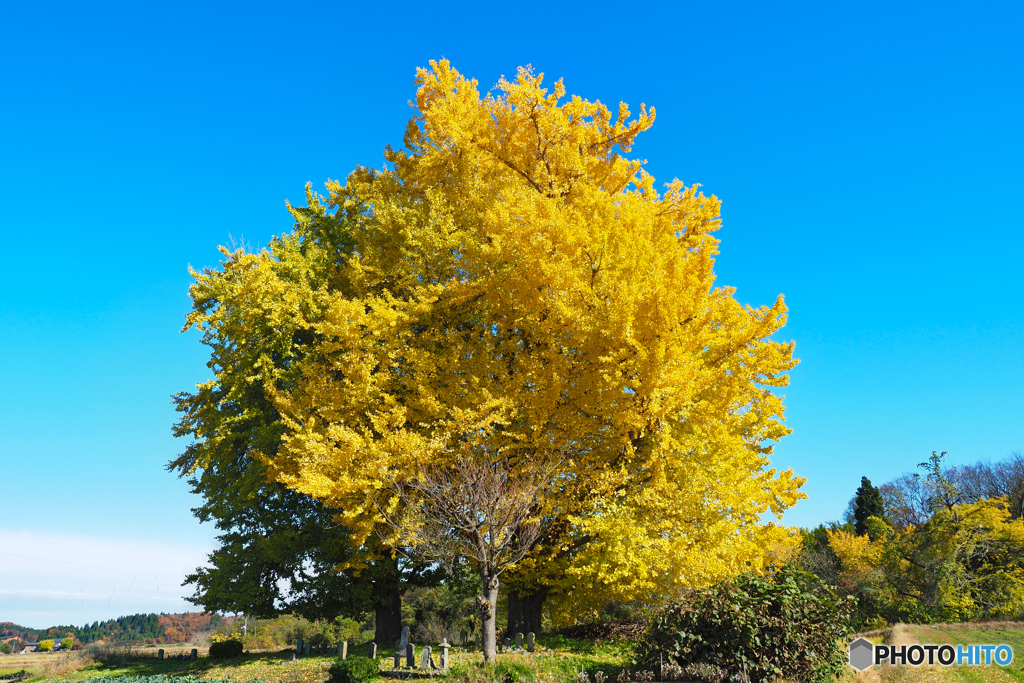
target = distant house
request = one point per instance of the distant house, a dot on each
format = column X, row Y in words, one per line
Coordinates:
column 30, row 647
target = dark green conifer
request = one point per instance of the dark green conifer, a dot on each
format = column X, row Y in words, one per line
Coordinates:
column 868, row 503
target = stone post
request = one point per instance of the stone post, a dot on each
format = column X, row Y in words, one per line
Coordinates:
column 444, row 654
column 463, row 637
column 410, row 655
column 530, row 642
column 519, row 641
column 298, row 646
column 398, row 654
column 371, row 651
column 160, row 653
column 309, row 647
column 508, row 643
column 343, row 650
column 425, row 662
column 194, row 655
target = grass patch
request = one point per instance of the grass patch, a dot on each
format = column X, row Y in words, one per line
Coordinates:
column 558, row 659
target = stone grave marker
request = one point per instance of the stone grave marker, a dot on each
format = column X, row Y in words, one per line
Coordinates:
column 371, row 651
column 160, row 654
column 519, row 641
column 343, row 650
column 410, row 655
column 463, row 637
column 425, row 662
column 444, row 654
column 530, row 642
column 194, row 655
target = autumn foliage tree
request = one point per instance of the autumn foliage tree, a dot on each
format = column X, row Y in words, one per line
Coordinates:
column 279, row 550
column 514, row 285
column 964, row 560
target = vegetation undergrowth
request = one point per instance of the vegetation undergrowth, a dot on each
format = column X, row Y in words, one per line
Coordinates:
column 558, row 660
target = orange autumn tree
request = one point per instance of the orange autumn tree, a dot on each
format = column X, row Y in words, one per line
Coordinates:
column 516, row 288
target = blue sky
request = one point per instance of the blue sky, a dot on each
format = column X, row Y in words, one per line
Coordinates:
column 869, row 157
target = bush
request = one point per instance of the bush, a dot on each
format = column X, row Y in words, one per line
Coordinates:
column 45, row 645
column 354, row 670
column 226, row 649
column 784, row 625
column 513, row 672
column 67, row 643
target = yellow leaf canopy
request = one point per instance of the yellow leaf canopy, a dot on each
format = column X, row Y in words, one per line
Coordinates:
column 517, row 287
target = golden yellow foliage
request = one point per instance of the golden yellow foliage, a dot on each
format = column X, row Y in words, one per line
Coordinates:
column 517, row 287
column 857, row 553
column 964, row 563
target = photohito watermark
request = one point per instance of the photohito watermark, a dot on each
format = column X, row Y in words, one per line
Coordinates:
column 864, row 654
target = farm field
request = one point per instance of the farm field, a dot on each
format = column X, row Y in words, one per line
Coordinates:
column 561, row 659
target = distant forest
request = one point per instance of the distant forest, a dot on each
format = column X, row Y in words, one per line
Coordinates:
column 136, row 628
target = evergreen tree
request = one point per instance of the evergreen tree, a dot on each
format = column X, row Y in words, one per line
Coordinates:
column 868, row 503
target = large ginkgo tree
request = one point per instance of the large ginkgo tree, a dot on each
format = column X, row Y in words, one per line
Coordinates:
column 512, row 286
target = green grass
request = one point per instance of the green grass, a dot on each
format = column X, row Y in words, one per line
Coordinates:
column 557, row 660
column 954, row 634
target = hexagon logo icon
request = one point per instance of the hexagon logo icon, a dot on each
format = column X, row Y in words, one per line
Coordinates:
column 862, row 654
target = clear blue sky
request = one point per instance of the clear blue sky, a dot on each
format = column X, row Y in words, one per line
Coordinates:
column 869, row 157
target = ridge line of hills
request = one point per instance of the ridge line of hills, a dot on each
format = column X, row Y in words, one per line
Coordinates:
column 140, row 628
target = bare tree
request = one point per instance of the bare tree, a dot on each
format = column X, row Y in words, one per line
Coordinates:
column 1004, row 479
column 479, row 510
column 906, row 501
column 910, row 497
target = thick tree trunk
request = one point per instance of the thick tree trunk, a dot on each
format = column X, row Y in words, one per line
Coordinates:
column 388, row 619
column 488, row 603
column 525, row 610
column 387, row 604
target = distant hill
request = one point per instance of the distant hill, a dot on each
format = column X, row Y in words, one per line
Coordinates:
column 136, row 628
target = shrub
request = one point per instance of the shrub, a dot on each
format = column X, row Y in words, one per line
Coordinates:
column 513, row 672
column 67, row 643
column 354, row 670
column 45, row 645
column 784, row 625
column 226, row 649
